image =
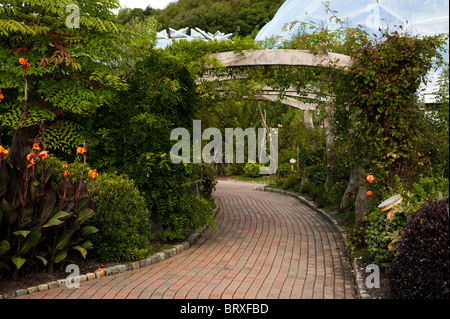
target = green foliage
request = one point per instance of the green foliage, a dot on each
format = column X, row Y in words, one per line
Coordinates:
column 421, row 268
column 378, row 228
column 123, row 220
column 234, row 169
column 73, row 71
column 133, row 138
column 241, row 17
column 251, row 169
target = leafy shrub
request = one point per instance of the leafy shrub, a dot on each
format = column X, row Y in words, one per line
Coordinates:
column 284, row 169
column 421, row 269
column 292, row 182
column 161, row 97
column 123, row 220
column 251, row 169
column 234, row 169
column 208, row 180
column 430, row 188
column 317, row 174
column 378, row 228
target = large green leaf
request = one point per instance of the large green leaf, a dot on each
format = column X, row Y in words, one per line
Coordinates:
column 46, row 204
column 88, row 230
column 31, row 241
column 9, row 213
column 87, row 244
column 48, row 173
column 23, row 233
column 83, row 216
column 63, row 239
column 18, row 261
column 4, row 246
column 44, row 261
column 83, row 203
column 60, row 255
column 55, row 220
column 82, row 251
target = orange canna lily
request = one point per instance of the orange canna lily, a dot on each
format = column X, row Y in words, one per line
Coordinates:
column 32, row 163
column 36, row 147
column 66, row 173
column 81, row 150
column 43, row 154
column 3, row 152
column 24, row 62
column 93, row 173
column 65, row 165
column 31, row 157
column 1, row 97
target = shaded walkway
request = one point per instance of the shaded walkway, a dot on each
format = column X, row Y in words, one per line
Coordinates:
column 267, row 246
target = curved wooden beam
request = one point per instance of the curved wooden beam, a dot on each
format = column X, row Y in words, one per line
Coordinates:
column 287, row 101
column 283, row 57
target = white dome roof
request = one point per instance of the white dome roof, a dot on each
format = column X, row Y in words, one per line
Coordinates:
column 418, row 17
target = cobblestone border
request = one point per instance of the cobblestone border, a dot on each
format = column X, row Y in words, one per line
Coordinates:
column 116, row 269
column 361, row 292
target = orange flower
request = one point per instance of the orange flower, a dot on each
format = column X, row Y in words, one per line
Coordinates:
column 32, row 163
column 66, row 173
column 36, row 147
column 3, row 152
column 370, row 178
column 31, row 157
column 1, row 97
column 24, row 62
column 43, row 154
column 93, row 173
column 369, row 193
column 65, row 165
column 80, row 150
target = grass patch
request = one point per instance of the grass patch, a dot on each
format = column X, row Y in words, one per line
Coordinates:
column 261, row 179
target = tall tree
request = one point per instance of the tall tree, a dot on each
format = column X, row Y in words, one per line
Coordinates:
column 78, row 56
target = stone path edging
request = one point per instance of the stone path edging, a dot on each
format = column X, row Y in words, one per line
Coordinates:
column 116, row 269
column 361, row 292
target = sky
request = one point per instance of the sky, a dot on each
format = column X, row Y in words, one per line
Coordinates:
column 155, row 4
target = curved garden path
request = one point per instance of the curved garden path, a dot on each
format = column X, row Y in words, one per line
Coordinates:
column 268, row 246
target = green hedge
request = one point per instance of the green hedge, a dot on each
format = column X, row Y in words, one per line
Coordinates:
column 122, row 218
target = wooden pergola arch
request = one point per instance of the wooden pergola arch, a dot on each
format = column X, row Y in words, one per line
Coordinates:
column 281, row 57
column 288, row 58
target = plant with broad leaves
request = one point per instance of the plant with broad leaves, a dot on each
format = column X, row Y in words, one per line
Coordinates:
column 37, row 222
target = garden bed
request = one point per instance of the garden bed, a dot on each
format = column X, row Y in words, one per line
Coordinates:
column 8, row 285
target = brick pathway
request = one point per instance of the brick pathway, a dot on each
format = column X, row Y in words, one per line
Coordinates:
column 267, row 246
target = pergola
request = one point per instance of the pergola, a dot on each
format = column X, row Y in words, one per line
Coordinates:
column 282, row 57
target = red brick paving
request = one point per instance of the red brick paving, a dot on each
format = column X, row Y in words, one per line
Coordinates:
column 268, row 246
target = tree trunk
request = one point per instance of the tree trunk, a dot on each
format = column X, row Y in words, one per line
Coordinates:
column 351, row 190
column 356, row 189
column 329, row 142
column 360, row 204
